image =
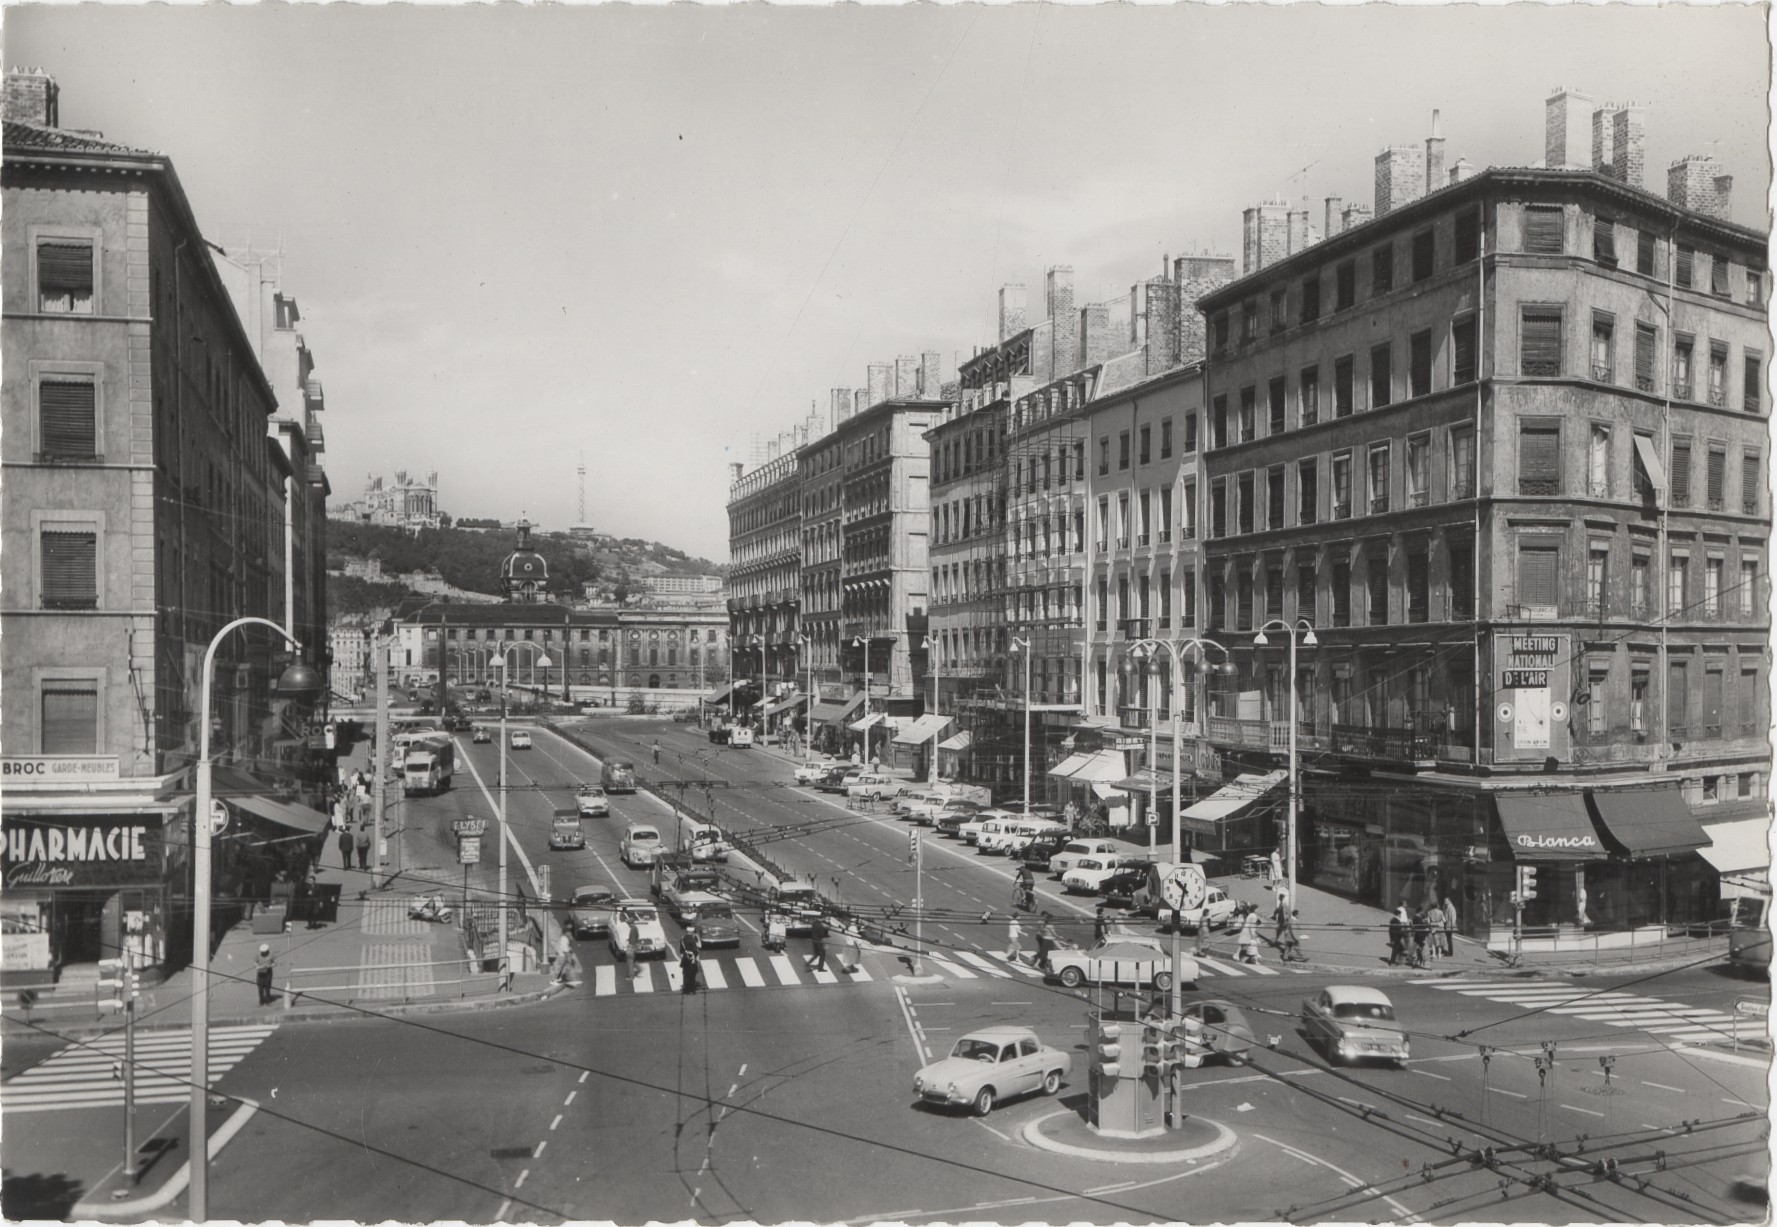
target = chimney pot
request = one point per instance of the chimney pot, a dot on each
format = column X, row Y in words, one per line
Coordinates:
column 1566, row 118
column 1011, row 310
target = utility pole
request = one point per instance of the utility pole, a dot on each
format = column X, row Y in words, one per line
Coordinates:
column 379, row 765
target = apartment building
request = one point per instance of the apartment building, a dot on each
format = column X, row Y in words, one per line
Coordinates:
column 765, row 580
column 1503, row 445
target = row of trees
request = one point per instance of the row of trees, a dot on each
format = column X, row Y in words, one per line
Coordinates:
column 464, row 559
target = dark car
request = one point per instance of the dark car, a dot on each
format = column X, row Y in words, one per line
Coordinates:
column 1119, row 889
column 1038, row 851
column 719, row 734
column 834, row 780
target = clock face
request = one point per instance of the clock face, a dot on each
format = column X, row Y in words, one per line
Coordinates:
column 1185, row 887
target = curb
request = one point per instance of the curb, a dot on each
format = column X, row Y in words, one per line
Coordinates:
column 176, row 1183
column 1225, row 1140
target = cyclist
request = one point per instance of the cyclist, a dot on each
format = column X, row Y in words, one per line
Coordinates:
column 1023, row 889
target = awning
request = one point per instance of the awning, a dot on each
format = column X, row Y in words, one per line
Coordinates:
column 1648, row 821
column 296, row 817
column 961, row 741
column 864, row 725
column 765, row 702
column 1109, row 793
column 1146, row 780
column 1650, row 460
column 1229, row 800
column 784, row 705
column 834, row 711
column 922, row 730
column 1551, row 827
column 1739, row 847
column 1067, row 766
column 721, row 696
column 1101, row 767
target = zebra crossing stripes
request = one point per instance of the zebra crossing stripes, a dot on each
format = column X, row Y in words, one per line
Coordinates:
column 1651, row 1015
column 387, row 917
column 89, row 1074
column 1236, row 969
column 718, row 976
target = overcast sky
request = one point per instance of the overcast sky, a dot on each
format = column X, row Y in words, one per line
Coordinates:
column 642, row 234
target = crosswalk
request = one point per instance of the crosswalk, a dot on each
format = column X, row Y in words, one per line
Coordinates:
column 89, row 1074
column 1664, row 1019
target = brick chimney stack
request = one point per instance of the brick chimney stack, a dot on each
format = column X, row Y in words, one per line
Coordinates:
column 32, row 97
column 906, row 377
column 931, row 374
column 1162, row 340
column 1603, row 141
column 1335, row 207
column 880, row 382
column 1697, row 183
column 860, row 401
column 1628, row 144
column 1011, row 310
column 842, row 405
column 1064, row 320
column 1434, row 155
column 1400, row 177
column 1264, row 235
column 1095, row 334
column 1301, row 234
column 1197, row 276
column 1567, row 116
column 1464, row 169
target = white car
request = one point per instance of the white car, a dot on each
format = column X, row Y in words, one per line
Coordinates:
column 1079, row 849
column 925, row 804
column 592, row 802
column 640, row 845
column 990, row 1065
column 809, row 772
column 520, row 740
column 871, row 786
column 1138, row 962
column 650, row 933
column 911, row 795
column 1088, row 874
column 1216, row 910
column 979, row 823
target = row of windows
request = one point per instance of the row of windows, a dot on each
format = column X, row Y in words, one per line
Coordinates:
column 1619, row 470
column 1144, row 437
column 1257, row 595
column 1543, row 351
column 583, row 634
column 979, row 448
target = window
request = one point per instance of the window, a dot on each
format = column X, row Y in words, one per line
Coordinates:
column 1165, row 603
column 1539, row 576
column 1718, row 275
column 1342, row 593
column 1219, row 327
column 1381, row 375
column 1307, row 491
column 1190, row 433
column 1245, row 512
column 1468, row 235
column 69, row 716
column 1274, row 497
column 1276, row 391
column 1311, row 298
column 1543, row 230
column 1718, row 375
column 1677, row 595
column 1419, row 364
column 1462, row 581
column 1539, row 458
column 1597, row 676
column 1681, row 368
column 1640, row 587
column 67, row 420
column 1604, row 241
column 1752, row 394
column 1680, row 477
column 1419, row 471
column 1145, row 445
column 1342, row 387
column 1462, row 351
column 1685, row 267
column 65, row 277
column 1644, row 253
column 1539, row 341
column 1715, row 476
column 1308, row 395
column 1378, row 478
column 1638, row 675
column 1418, row 588
column 1598, row 462
column 1604, row 364
column 1273, row 593
column 1249, row 322
column 1188, row 590
column 1123, row 450
column 1345, row 286
column 1678, row 694
column 1424, row 255
column 1104, row 524
column 1342, row 486
column 1597, row 579
column 1750, row 691
column 1166, row 438
column 1249, row 398
column 1279, row 311
column 1188, row 512
column 1218, row 509
column 1143, row 519
column 1646, row 342
column 1243, row 600
column 1751, row 478
column 1102, row 595
column 1079, row 460
column 1305, row 597
column 1712, row 568
column 1123, row 520
column 1219, row 421
column 1378, row 591
column 1165, row 516
column 69, row 558
column 1382, row 270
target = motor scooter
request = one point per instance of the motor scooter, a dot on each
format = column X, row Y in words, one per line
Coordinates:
column 430, row 907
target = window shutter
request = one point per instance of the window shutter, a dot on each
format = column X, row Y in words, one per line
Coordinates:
column 70, row 718
column 1644, row 357
column 1681, row 473
column 1542, row 231
column 1418, row 586
column 1424, row 255
column 1677, row 696
column 68, row 419
column 1537, row 579
column 65, row 268
column 1717, row 477
column 1462, row 344
column 70, row 570
column 1751, row 396
column 1468, row 236
column 1718, row 275
column 1540, row 343
column 1751, row 478
column 1539, row 459
column 1604, row 241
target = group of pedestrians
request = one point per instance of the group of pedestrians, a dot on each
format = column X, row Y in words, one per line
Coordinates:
column 351, row 820
column 1419, row 937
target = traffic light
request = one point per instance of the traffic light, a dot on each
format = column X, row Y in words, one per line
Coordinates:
column 115, row 975
column 1153, row 1052
column 1526, row 882
column 1107, row 1054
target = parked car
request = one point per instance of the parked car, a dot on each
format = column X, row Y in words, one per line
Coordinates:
column 564, row 830
column 718, row 734
column 590, row 909
column 1088, row 875
column 640, row 845
column 811, row 772
column 1139, row 962
column 592, row 802
column 520, row 740
column 992, row 1064
column 1037, row 853
column 1119, row 888
column 1072, row 853
column 910, row 794
column 870, row 786
column 740, row 737
column 974, row 821
column 1354, row 1023
column 1216, row 1029
column 481, row 736
column 1216, row 910
column 650, row 936
column 840, row 778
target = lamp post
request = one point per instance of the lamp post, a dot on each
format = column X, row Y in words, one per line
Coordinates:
column 863, row 641
column 935, row 660
column 1023, row 645
column 296, row 680
column 1308, row 641
column 1177, row 650
column 807, row 652
column 501, row 663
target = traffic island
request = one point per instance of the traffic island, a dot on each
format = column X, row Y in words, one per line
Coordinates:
column 165, row 1167
column 1067, row 1133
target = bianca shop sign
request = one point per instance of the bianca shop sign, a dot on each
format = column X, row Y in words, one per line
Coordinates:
column 44, row 850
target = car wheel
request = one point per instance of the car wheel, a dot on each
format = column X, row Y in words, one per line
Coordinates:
column 1052, row 1082
column 1163, row 980
column 984, row 1101
column 1072, row 977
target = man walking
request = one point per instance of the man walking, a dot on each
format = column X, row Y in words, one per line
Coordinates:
column 1282, row 915
column 364, row 846
column 631, row 937
column 1046, row 940
column 1450, row 925
column 1098, row 925
column 817, row 932
column 689, row 967
column 263, row 965
column 345, row 847
column 1014, row 941
column 1397, row 935
column 564, row 957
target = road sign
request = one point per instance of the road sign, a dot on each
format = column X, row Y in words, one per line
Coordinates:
column 218, row 816
column 469, row 826
column 1746, row 1005
column 468, row 849
column 1184, row 887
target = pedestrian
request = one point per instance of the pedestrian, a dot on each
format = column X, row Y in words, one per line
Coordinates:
column 631, row 939
column 1288, row 942
column 1014, row 941
column 1276, row 865
column 1046, row 940
column 1421, row 931
column 1397, row 936
column 364, row 846
column 817, row 932
column 564, row 956
column 1449, row 927
column 689, row 967
column 345, row 847
column 657, row 750
column 1099, row 927
column 1024, row 889
column 1281, row 914
column 1247, row 938
column 263, row 965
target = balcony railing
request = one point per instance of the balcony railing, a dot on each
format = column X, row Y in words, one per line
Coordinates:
column 1341, row 511
column 1133, row 628
column 1378, row 504
column 1394, row 744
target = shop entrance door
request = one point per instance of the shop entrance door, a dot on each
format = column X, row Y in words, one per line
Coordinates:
column 78, row 928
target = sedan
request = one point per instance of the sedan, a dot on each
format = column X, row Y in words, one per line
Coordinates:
column 1354, row 1023
column 590, row 910
column 592, row 802
column 989, row 1065
column 1037, row 852
column 481, row 736
column 1216, row 1029
column 1089, row 874
column 1216, row 910
column 521, row 740
column 650, row 936
column 1139, row 962
column 640, row 845
column 1074, row 852
column 1119, row 888
column 812, row 771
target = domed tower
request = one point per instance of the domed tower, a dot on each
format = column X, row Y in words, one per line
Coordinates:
column 524, row 576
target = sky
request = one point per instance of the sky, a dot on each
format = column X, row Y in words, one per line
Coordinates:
column 523, row 239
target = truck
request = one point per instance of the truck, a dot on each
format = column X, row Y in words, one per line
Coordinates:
column 702, row 840
column 619, row 777
column 740, row 736
column 428, row 766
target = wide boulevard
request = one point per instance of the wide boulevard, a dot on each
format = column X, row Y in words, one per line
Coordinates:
column 781, row 1093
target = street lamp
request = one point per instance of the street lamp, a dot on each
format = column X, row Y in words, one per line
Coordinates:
column 863, row 641
column 1308, row 641
column 935, row 661
column 1177, row 650
column 1023, row 645
column 500, row 662
column 806, row 648
column 296, row 681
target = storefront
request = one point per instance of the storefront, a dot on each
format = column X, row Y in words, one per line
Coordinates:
column 1552, row 834
column 915, row 743
column 832, row 711
column 1654, row 875
column 953, row 756
column 1386, row 845
column 1244, row 816
column 1087, row 780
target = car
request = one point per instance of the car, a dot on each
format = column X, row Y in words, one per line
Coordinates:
column 564, row 831
column 974, row 820
column 921, row 804
column 521, row 740
column 684, row 716
column 590, row 909
column 1139, row 962
column 811, row 771
column 839, row 779
column 800, row 902
column 718, row 734
column 710, row 916
column 909, row 794
column 740, row 736
column 1088, row 875
column 1354, row 1022
column 990, row 1065
column 640, row 845
column 870, row 786
column 1119, row 888
column 481, row 736
column 592, row 802
column 650, row 936
column 1214, row 1029
column 1217, row 911
column 1038, row 851
column 1071, row 853
column 587, row 705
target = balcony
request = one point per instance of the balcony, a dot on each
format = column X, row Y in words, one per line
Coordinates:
column 1305, row 515
column 1417, row 498
column 1391, row 744
column 1341, row 511
column 1378, row 504
column 1134, row 628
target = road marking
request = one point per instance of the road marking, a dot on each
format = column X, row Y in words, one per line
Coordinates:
column 1226, row 969
column 1440, row 1077
column 949, row 968
column 500, row 1214
column 604, row 981
column 1741, row 1102
column 1587, row 1111
column 712, row 974
column 554, row 1123
column 519, row 1183
column 584, row 1074
column 749, row 973
column 822, row 975
column 570, row 1099
column 1109, row 1188
column 1405, row 1214
column 644, row 981
column 675, row 979
column 1662, row 1086
column 975, row 960
column 1500, row 1090
column 786, row 970
column 919, row 1046
column 860, row 974
column 996, row 1133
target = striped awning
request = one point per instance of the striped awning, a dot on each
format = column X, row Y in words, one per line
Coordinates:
column 960, row 742
column 923, row 730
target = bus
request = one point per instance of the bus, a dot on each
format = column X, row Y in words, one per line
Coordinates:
column 619, row 777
